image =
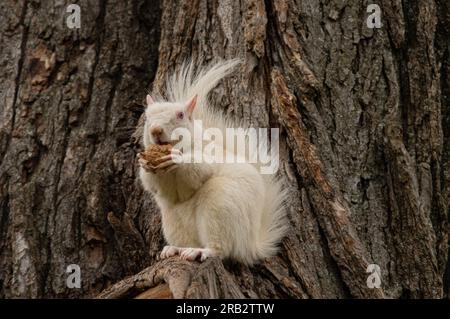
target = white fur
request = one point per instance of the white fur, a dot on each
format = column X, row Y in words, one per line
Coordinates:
column 226, row 210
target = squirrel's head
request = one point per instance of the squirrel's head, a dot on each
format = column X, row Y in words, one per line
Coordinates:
column 162, row 118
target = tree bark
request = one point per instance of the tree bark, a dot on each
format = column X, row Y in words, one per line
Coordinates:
column 364, row 118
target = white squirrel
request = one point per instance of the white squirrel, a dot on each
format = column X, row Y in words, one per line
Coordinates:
column 208, row 209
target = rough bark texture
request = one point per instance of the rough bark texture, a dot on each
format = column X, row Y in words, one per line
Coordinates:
column 364, row 115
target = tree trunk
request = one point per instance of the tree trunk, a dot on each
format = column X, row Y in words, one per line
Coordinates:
column 364, row 117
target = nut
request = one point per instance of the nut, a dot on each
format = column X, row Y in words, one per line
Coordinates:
column 154, row 152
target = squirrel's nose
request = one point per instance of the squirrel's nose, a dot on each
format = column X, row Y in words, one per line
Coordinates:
column 156, row 131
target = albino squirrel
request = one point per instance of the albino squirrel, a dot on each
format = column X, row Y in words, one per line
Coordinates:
column 208, row 209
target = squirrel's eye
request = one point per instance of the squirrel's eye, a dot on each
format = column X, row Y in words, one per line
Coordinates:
column 180, row 115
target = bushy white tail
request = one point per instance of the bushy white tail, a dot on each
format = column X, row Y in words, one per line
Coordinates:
column 274, row 224
column 188, row 81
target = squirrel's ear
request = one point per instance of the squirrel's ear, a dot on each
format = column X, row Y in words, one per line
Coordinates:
column 150, row 100
column 190, row 105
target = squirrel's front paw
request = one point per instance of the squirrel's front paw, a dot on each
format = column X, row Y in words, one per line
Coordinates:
column 167, row 163
column 194, row 253
column 145, row 164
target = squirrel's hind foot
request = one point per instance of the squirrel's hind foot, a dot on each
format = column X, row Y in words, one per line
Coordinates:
column 192, row 254
column 169, row 251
